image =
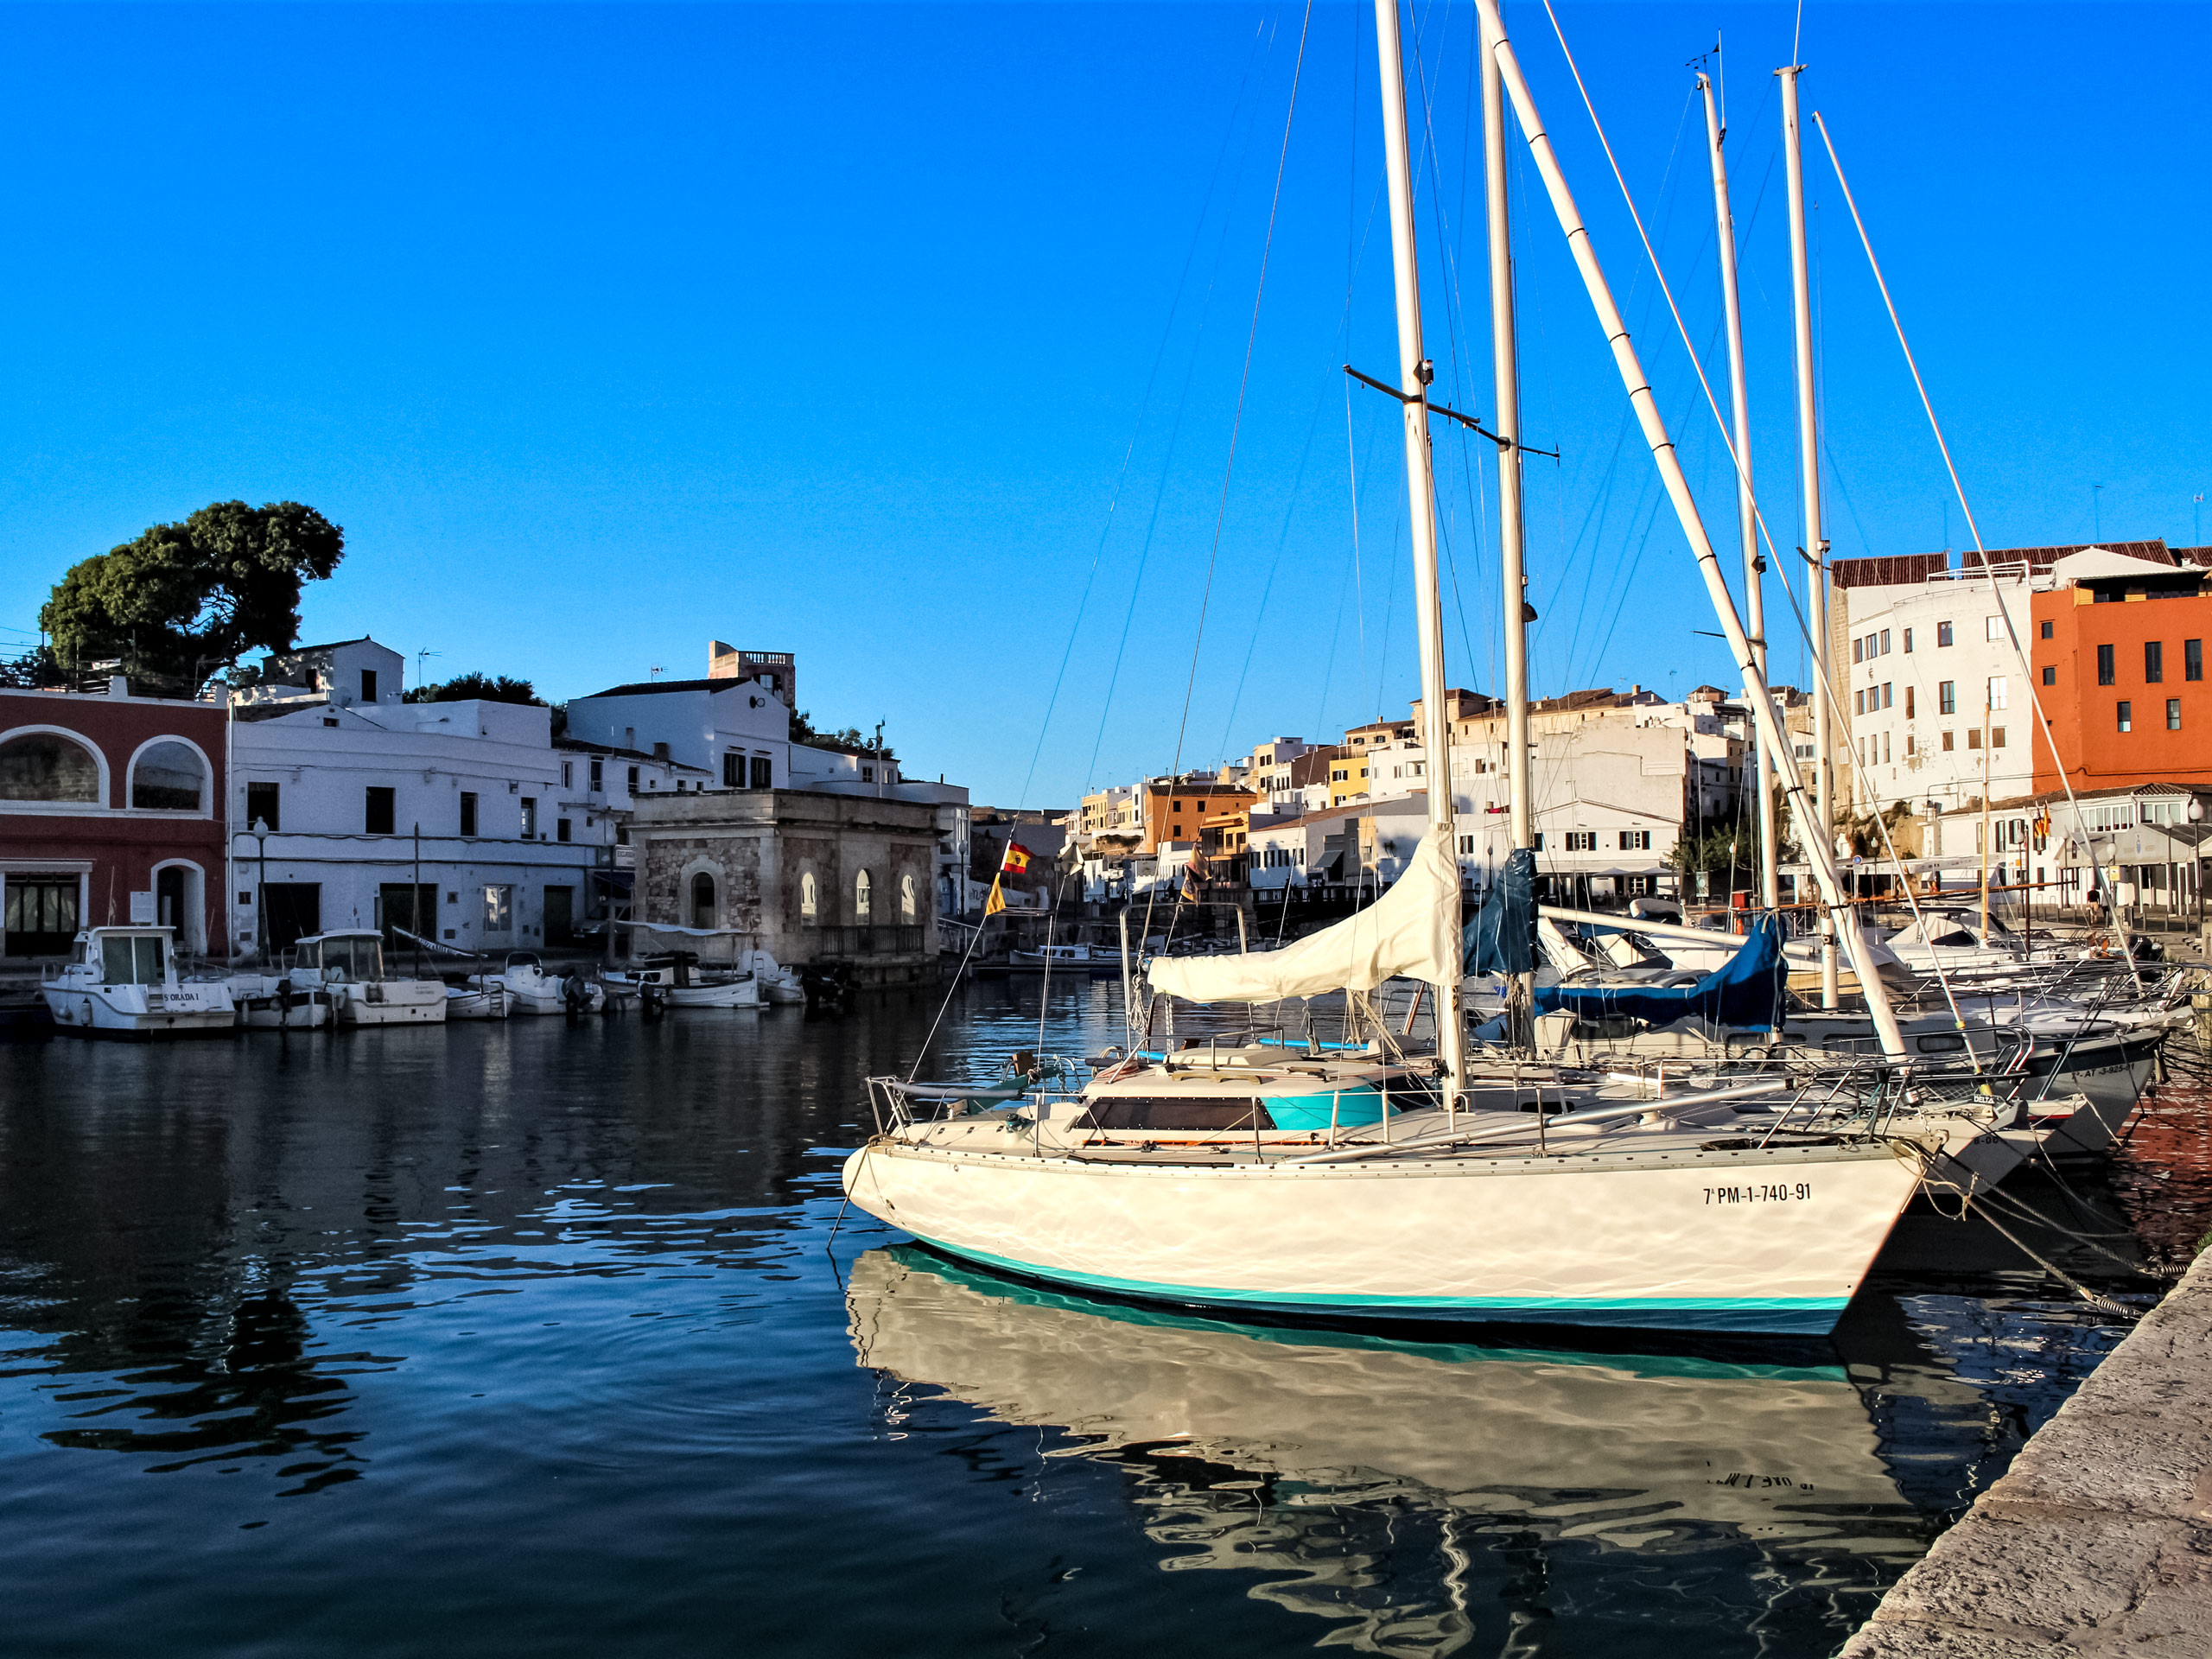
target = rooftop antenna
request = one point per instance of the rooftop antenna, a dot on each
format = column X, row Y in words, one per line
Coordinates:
column 421, row 657
column 654, row 672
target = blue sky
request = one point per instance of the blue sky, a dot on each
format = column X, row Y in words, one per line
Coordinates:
column 903, row 337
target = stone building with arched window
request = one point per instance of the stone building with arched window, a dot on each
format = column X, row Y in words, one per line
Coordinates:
column 817, row 879
column 110, row 811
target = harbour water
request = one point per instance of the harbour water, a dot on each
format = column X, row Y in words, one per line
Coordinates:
column 549, row 1339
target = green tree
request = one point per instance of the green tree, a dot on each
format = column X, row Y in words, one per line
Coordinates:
column 486, row 688
column 185, row 600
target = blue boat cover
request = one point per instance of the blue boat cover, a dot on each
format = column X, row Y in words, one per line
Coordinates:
column 1746, row 993
column 1500, row 938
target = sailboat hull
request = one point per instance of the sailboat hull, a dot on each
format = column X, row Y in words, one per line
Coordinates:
column 1765, row 1242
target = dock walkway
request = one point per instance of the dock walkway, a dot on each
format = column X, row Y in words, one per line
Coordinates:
column 2098, row 1539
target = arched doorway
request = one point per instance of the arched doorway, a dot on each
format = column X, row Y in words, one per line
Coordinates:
column 702, row 900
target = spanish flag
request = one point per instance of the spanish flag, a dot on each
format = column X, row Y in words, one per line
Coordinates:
column 1017, row 859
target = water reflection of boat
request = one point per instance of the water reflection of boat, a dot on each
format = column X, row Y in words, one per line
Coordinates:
column 1629, row 1456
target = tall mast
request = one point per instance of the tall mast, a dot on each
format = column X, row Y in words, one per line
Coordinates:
column 1415, row 373
column 1747, row 516
column 1505, row 365
column 1653, row 425
column 1809, row 486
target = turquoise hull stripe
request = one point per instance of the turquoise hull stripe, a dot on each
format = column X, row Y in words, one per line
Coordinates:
column 1794, row 1315
column 1353, row 1107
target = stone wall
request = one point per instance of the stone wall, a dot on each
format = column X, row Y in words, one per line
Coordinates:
column 786, row 867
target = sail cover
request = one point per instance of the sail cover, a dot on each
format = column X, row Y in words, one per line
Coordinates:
column 1413, row 930
column 1746, row 992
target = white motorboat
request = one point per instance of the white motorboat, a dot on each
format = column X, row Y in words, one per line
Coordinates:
column 272, row 1002
column 531, row 989
column 348, row 963
column 474, row 1002
column 672, row 981
column 778, row 984
column 1951, row 939
column 122, row 982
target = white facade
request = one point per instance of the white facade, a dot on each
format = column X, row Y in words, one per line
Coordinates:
column 1931, row 668
column 508, row 826
column 738, row 732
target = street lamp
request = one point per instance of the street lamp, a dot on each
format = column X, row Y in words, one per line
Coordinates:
column 260, row 833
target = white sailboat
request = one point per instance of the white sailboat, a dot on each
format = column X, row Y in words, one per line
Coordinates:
column 1678, row 1226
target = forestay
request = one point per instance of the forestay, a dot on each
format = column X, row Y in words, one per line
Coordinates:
column 1413, row 930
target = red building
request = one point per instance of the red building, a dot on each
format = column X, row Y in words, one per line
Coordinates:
column 2119, row 651
column 110, row 811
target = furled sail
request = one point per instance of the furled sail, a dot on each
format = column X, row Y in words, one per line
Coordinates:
column 1411, row 929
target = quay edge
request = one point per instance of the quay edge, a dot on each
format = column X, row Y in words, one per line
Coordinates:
column 2099, row 1538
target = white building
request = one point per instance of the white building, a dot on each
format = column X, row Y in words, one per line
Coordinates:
column 1937, row 707
column 736, row 731
column 464, row 823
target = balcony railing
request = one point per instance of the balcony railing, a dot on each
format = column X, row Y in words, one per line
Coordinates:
column 844, row 943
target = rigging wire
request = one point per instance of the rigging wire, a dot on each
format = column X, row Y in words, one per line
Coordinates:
column 1237, row 422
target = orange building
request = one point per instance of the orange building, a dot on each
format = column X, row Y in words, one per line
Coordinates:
column 2119, row 653
column 1176, row 808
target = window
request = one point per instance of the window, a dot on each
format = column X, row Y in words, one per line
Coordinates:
column 1885, row 748
column 1907, row 639
column 867, row 775
column 560, row 829
column 368, row 685
column 733, row 771
column 1858, row 703
column 1947, row 742
column 1996, row 690
column 567, row 774
column 2173, row 714
column 1997, row 737
column 863, row 897
column 377, row 818
column 134, row 959
column 499, row 909
column 702, row 900
column 809, row 906
column 1885, row 642
column 633, row 780
column 47, row 766
column 168, row 777
column 2127, row 717
column 262, row 811
column 1908, row 707
column 1908, row 743
column 467, row 812
column 763, row 774
column 2045, row 631
column 1858, row 651
column 598, row 775
column 908, row 899
column 1540, row 840
column 41, row 915
column 2192, row 659
column 1889, row 694
column 2104, row 665
column 1974, row 737
column 530, row 818
column 2050, row 674
column 1636, row 841
column 1942, row 634
column 1992, row 628
column 2154, row 661
column 1947, row 696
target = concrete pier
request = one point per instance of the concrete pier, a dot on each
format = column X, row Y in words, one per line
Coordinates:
column 2098, row 1539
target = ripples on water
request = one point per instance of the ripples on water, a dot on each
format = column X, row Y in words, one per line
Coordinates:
column 534, row 1339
